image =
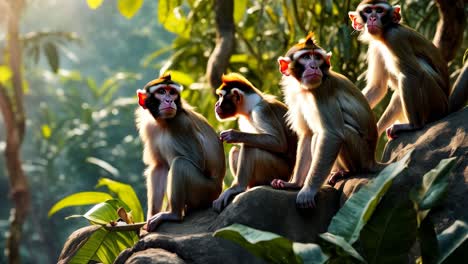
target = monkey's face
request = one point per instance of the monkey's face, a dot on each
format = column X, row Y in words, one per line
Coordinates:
column 307, row 66
column 166, row 97
column 226, row 106
column 162, row 99
column 373, row 17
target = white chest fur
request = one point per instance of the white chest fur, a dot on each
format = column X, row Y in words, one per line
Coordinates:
column 387, row 57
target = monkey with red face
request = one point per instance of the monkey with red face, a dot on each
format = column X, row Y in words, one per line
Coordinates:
column 266, row 145
column 411, row 65
column 335, row 125
column 184, row 155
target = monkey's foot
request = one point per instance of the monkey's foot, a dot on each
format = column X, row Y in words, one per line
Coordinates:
column 336, row 176
column 306, row 197
column 158, row 218
column 280, row 184
column 225, row 198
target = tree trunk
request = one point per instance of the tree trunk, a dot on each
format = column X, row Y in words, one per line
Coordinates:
column 450, row 28
column 13, row 114
column 219, row 58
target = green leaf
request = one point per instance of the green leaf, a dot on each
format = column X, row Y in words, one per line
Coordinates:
column 240, row 6
column 50, row 50
column 434, row 185
column 79, row 199
column 104, row 246
column 94, row 4
column 125, row 193
column 390, row 233
column 182, row 78
column 171, row 17
column 5, row 73
column 340, row 244
column 239, row 58
column 357, row 210
column 129, row 8
column 310, row 253
column 271, row 247
column 104, row 213
column 453, row 243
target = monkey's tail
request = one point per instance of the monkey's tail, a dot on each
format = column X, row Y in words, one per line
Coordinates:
column 459, row 96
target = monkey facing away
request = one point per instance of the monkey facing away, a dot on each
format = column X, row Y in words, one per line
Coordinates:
column 336, row 127
column 411, row 65
column 266, row 145
column 184, row 155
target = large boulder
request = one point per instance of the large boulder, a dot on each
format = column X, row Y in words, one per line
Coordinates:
column 261, row 207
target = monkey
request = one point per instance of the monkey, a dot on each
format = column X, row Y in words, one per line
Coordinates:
column 266, row 145
column 334, row 122
column 183, row 153
column 403, row 59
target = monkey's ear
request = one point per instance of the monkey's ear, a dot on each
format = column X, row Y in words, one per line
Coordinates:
column 237, row 94
column 396, row 17
column 353, row 15
column 284, row 65
column 142, row 97
column 328, row 57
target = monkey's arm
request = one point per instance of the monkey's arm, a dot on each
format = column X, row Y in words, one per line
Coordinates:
column 156, row 188
column 303, row 159
column 270, row 134
column 376, row 76
column 327, row 141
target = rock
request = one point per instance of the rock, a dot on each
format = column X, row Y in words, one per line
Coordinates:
column 271, row 210
column 261, row 207
column 443, row 139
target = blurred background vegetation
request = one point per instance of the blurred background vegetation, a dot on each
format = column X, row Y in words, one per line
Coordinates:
column 81, row 68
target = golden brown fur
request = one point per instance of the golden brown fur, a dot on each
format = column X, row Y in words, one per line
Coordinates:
column 185, row 159
column 335, row 125
column 266, row 146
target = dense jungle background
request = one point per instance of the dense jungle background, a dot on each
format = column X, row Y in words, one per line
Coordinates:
column 72, row 74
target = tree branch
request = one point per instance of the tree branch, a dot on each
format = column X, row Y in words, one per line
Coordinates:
column 13, row 112
column 452, row 22
column 219, row 58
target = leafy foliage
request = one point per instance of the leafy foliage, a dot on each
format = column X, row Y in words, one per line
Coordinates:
column 359, row 208
column 453, row 243
column 271, row 247
column 104, row 245
column 384, row 231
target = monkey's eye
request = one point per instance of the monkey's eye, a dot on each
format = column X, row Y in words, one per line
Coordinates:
column 306, row 56
column 161, row 91
column 379, row 10
column 317, row 56
column 367, row 10
column 172, row 92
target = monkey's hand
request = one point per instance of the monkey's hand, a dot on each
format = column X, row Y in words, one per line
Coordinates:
column 280, row 184
column 158, row 218
column 225, row 198
column 230, row 136
column 306, row 197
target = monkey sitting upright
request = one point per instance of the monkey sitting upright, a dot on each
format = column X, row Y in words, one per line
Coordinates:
column 410, row 64
column 336, row 127
column 267, row 146
column 184, row 155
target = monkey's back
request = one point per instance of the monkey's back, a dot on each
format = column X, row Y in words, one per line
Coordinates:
column 357, row 113
column 408, row 44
